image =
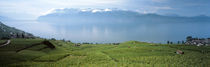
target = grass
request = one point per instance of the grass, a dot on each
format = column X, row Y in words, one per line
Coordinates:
column 2, row 41
column 127, row 54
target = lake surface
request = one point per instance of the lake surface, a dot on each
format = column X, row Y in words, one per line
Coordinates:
column 115, row 32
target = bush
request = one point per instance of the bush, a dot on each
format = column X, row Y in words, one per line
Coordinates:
column 5, row 38
column 53, row 39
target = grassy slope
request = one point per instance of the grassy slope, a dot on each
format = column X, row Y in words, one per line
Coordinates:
column 130, row 54
column 2, row 41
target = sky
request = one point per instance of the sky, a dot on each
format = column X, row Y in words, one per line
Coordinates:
column 31, row 9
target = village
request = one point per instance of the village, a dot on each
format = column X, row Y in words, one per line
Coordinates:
column 197, row 41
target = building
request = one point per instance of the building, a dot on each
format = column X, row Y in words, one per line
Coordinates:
column 197, row 41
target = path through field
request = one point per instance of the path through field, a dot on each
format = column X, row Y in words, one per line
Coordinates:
column 8, row 42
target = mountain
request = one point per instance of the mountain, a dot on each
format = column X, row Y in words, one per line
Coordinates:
column 3, row 18
column 112, row 16
column 89, row 15
column 11, row 32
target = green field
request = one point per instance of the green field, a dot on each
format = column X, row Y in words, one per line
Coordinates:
column 2, row 41
column 127, row 54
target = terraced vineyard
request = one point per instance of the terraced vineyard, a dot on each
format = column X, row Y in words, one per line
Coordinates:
column 127, row 54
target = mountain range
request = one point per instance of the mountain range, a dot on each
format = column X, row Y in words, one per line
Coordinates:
column 113, row 16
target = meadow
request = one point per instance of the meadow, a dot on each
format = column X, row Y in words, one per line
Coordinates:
column 126, row 54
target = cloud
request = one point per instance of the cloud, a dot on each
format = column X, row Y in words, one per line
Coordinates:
column 153, row 9
column 107, row 9
column 63, row 10
column 96, row 10
column 100, row 10
column 52, row 10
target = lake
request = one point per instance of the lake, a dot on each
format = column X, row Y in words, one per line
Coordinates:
column 159, row 32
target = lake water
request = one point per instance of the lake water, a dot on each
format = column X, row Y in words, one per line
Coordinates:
column 115, row 32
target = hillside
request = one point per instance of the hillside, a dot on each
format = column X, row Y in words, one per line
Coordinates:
column 126, row 54
column 11, row 32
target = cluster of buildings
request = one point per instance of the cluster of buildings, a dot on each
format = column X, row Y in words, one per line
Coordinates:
column 197, row 41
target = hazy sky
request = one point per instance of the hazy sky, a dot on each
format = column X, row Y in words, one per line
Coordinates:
column 31, row 9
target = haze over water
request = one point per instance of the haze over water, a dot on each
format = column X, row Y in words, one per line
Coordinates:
column 159, row 32
column 154, row 21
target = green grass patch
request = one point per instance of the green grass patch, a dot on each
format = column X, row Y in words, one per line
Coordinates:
column 126, row 54
column 51, row 58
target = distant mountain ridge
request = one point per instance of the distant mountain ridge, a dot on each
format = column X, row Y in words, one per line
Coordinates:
column 113, row 16
column 11, row 32
column 2, row 18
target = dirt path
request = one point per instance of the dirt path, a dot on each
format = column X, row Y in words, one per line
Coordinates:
column 8, row 42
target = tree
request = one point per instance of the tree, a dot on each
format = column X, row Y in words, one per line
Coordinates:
column 5, row 38
column 168, row 42
column 63, row 40
column 189, row 38
column 178, row 42
column 171, row 42
column 23, row 35
column 69, row 41
column 53, row 39
column 17, row 35
column 182, row 42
